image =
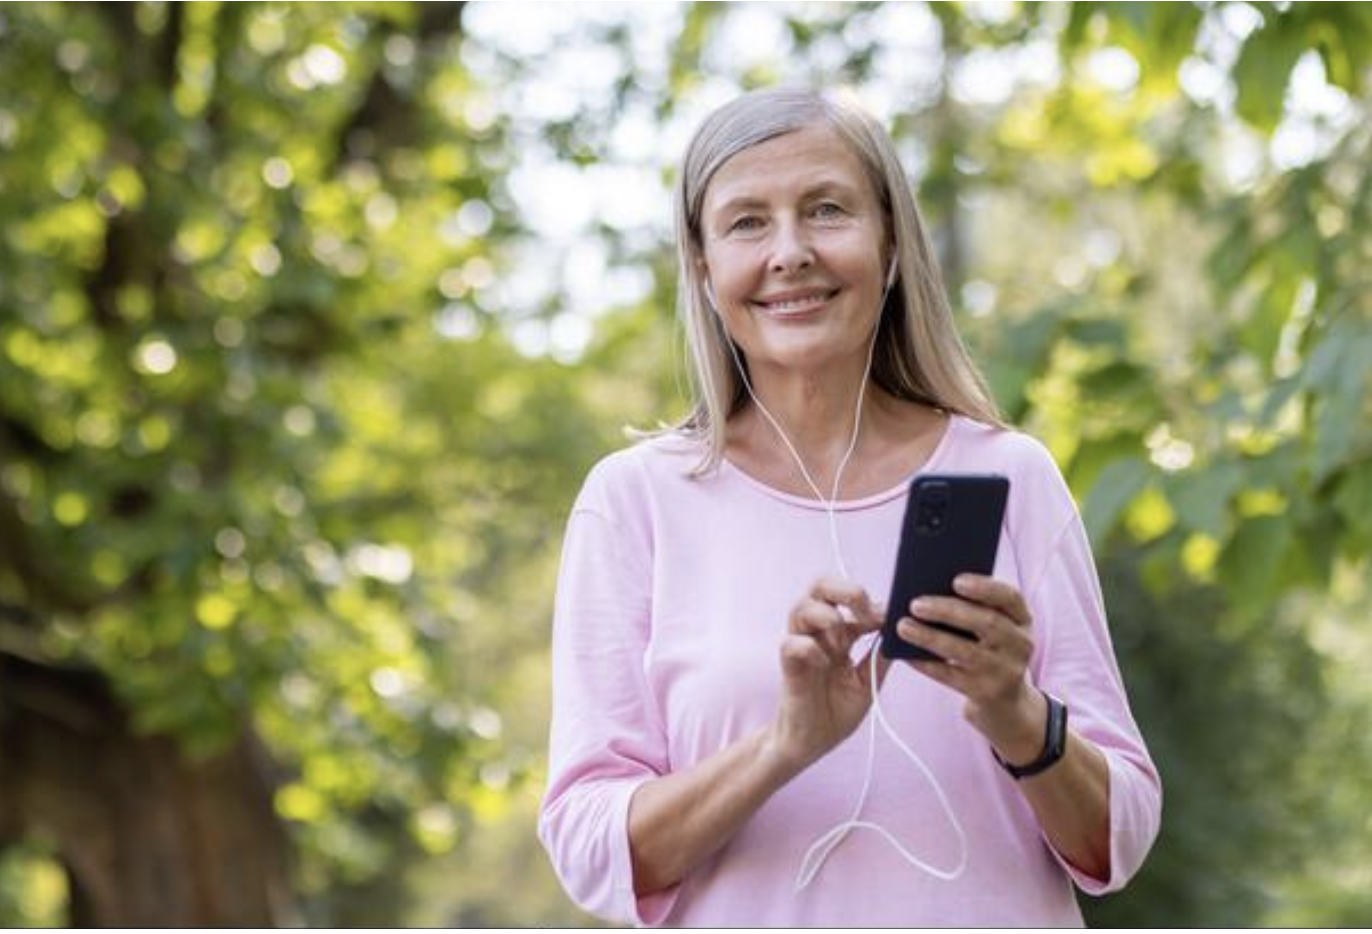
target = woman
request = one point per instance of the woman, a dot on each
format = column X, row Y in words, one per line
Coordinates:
column 712, row 650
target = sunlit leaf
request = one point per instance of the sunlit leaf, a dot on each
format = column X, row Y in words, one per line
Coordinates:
column 1114, row 489
column 1262, row 71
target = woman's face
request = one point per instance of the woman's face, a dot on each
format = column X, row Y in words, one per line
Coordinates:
column 795, row 251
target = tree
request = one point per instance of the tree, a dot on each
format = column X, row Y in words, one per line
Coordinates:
column 249, row 485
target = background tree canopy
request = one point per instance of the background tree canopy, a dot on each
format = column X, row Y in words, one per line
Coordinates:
column 313, row 316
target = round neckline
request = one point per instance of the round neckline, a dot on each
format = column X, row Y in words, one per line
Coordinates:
column 848, row 505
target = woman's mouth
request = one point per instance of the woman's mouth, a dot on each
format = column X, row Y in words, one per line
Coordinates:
column 794, row 304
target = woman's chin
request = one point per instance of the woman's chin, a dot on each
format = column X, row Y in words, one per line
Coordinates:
column 804, row 356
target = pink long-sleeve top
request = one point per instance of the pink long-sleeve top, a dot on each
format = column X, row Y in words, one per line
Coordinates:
column 671, row 606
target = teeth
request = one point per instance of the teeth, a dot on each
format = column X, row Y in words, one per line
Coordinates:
column 794, row 304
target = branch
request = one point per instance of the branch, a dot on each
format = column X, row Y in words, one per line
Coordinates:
column 385, row 115
column 75, row 699
column 17, row 553
column 120, row 18
column 228, row 35
column 169, row 48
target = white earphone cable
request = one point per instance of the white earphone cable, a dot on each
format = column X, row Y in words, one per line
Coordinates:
column 819, row 851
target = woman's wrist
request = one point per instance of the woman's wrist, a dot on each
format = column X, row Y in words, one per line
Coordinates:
column 780, row 757
column 1016, row 733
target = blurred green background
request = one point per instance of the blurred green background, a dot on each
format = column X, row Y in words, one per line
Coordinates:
column 313, row 316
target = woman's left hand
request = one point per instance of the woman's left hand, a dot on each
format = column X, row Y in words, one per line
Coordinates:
column 989, row 671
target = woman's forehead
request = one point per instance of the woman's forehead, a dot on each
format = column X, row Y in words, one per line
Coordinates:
column 811, row 158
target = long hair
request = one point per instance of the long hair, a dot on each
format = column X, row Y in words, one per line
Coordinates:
column 918, row 356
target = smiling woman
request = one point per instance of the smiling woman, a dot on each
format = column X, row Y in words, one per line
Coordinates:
column 794, row 248
column 712, row 637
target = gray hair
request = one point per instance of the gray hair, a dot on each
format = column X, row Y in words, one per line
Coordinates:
column 918, row 356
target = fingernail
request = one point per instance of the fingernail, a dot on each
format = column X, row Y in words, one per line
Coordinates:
column 920, row 605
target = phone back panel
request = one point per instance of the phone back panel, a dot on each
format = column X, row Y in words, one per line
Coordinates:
column 952, row 525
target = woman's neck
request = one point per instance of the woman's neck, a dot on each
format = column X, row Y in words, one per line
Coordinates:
column 805, row 427
column 894, row 438
column 816, row 413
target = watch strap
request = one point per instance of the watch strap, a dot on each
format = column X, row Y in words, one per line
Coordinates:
column 1054, row 742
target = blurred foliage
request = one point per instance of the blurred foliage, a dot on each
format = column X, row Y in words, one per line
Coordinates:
column 299, row 372
column 33, row 887
column 245, row 473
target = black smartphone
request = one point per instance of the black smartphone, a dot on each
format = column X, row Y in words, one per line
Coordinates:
column 952, row 526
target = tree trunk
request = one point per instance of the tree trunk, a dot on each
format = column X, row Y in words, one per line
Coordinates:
column 148, row 838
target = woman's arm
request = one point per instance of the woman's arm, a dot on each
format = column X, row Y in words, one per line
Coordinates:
column 1072, row 802
column 678, row 821
column 1072, row 798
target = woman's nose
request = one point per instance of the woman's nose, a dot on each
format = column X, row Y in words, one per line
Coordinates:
column 791, row 250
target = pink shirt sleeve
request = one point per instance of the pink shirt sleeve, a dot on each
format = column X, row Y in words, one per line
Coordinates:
column 1077, row 664
column 607, row 737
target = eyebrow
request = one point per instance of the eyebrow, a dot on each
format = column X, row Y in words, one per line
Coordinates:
column 819, row 188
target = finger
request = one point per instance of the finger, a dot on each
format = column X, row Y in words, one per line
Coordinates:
column 838, row 590
column 942, row 672
column 801, row 656
column 812, row 616
column 953, row 649
column 981, row 621
column 821, row 622
column 994, row 593
column 846, row 593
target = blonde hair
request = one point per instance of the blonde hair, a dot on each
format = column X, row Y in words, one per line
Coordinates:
column 918, row 357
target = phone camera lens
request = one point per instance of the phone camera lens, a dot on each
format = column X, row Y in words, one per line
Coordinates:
column 930, row 518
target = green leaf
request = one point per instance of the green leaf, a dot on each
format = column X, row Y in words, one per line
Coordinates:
column 1021, row 354
column 1116, row 486
column 1277, row 397
column 1201, row 498
column 1251, row 564
column 1262, row 71
column 1353, row 500
column 1344, row 42
column 1338, row 428
column 1341, row 371
column 1099, row 332
column 1262, row 332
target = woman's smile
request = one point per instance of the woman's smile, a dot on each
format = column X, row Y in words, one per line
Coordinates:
column 794, row 304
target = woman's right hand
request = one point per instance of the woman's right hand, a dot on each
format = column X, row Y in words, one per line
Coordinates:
column 678, row 820
column 825, row 694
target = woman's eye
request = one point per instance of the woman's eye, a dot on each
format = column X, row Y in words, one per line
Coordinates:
column 745, row 224
column 828, row 211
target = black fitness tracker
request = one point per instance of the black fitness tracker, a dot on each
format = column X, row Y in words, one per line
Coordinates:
column 1054, row 742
